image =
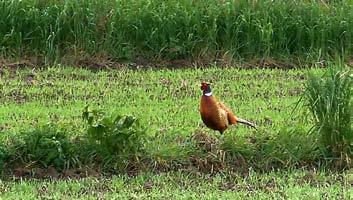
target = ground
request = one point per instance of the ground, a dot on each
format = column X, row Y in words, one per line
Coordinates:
column 166, row 101
column 297, row 184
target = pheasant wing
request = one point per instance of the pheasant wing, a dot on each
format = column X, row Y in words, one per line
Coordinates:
column 231, row 118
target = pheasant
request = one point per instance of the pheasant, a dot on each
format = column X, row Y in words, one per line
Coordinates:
column 215, row 115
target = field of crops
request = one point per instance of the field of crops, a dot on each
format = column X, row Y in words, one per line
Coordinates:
column 100, row 99
column 150, row 31
column 166, row 102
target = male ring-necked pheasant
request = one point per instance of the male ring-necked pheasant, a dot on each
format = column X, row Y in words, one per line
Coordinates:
column 215, row 114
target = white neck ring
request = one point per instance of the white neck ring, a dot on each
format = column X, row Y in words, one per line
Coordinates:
column 208, row 94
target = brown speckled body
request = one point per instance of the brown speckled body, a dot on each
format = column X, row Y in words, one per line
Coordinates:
column 215, row 115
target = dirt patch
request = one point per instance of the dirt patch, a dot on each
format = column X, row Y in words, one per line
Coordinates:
column 98, row 62
column 52, row 173
column 270, row 186
column 101, row 61
column 18, row 64
column 17, row 96
column 210, row 157
column 29, row 79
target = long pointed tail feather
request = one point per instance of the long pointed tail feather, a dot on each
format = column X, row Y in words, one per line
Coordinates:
column 246, row 122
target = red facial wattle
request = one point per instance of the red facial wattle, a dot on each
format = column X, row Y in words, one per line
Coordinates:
column 204, row 86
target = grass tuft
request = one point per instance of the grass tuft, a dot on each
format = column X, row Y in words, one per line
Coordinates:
column 45, row 146
column 329, row 100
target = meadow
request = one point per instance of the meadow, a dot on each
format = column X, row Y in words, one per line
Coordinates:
column 282, row 159
column 295, row 184
column 100, row 99
column 166, row 102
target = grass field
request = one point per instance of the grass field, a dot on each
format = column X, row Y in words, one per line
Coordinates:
column 100, row 99
column 295, row 184
column 166, row 102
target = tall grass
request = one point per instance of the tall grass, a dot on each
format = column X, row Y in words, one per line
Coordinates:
column 176, row 29
column 329, row 99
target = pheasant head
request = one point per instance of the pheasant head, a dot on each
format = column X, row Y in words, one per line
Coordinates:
column 206, row 89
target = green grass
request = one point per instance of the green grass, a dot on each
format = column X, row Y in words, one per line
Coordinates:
column 329, row 99
column 296, row 184
column 165, row 100
column 41, row 110
column 166, row 103
column 70, row 30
